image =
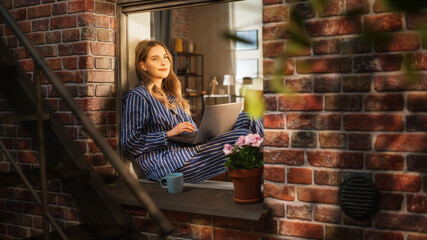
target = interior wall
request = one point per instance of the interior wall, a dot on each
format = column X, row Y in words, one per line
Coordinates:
column 208, row 24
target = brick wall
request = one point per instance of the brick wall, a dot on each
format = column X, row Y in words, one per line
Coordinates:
column 353, row 112
column 77, row 39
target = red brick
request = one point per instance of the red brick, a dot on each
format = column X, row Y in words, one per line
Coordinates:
column 53, row 37
column 360, row 6
column 80, row 48
column 301, row 229
column 59, row 8
column 70, row 35
column 275, row 13
column 276, row 138
column 383, row 102
column 329, row 214
column 324, row 65
column 416, row 20
column 292, row 102
column 63, row 22
column 343, row 102
column 335, row 159
column 398, row 182
column 19, row 14
column 337, row 26
column 108, row 104
column 24, row 25
column 234, row 223
column 103, row 90
column 39, row 11
column 400, row 82
column 326, row 46
column 417, row 102
column 274, row 120
column 419, row 61
column 104, row 49
column 282, row 192
column 332, row 140
column 313, row 121
column 415, row 236
column 272, row 49
column 391, row 201
column 105, row 8
column 298, row 84
column 23, row 144
column 21, row 53
column 86, row 91
column 27, row 157
column 383, row 22
column 327, row 84
column 337, row 232
column 417, row 203
column 86, row 19
column 274, row 31
column 274, row 173
column 40, row 25
column 70, row 62
column 277, row 207
column 398, row 42
column 333, row 8
column 318, row 194
column 102, row 21
column 284, row 156
column 327, row 177
column 379, row 6
column 200, row 219
column 373, row 122
column 399, row 221
column 113, row 23
column 384, row 161
column 356, row 45
column 381, row 235
column 88, row 104
column 100, row 76
column 97, row 117
column 271, row 67
column 302, row 212
column 102, row 63
column 304, row 139
column 356, row 83
column 27, row 65
column 70, row 76
column 105, row 35
column 86, row 62
column 54, row 63
column 417, row 163
column 401, row 142
column 378, row 63
column 300, row 175
column 270, row 102
column 304, row 9
column 81, row 6
column 225, row 234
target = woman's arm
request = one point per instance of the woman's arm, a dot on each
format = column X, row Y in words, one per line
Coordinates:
column 135, row 117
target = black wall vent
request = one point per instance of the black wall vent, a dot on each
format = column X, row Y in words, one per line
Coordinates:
column 359, row 198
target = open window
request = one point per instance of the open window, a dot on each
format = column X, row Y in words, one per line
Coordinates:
column 195, row 32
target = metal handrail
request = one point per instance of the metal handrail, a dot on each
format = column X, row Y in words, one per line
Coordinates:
column 111, row 155
column 32, row 191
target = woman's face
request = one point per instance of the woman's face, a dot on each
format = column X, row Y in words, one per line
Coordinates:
column 157, row 63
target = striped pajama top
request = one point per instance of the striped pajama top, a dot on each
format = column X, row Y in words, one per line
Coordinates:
column 143, row 133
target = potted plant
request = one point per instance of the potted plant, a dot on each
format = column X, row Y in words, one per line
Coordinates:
column 245, row 163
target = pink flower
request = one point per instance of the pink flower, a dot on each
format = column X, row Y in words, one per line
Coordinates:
column 254, row 140
column 241, row 141
column 228, row 149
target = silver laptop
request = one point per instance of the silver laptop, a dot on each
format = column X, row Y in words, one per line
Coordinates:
column 217, row 119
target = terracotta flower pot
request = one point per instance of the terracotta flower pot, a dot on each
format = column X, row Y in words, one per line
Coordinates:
column 247, row 184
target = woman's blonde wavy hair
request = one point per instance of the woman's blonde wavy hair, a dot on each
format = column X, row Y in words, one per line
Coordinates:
column 170, row 85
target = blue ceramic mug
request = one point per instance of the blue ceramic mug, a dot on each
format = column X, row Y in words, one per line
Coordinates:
column 174, row 182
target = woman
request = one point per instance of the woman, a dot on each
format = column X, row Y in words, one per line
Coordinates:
column 156, row 109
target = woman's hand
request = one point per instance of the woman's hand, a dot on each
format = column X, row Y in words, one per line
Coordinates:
column 180, row 128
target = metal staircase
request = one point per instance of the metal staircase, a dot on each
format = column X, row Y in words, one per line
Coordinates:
column 106, row 218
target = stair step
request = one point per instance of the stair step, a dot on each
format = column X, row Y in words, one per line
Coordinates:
column 86, row 232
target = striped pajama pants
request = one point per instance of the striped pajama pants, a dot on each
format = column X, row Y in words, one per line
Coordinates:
column 209, row 161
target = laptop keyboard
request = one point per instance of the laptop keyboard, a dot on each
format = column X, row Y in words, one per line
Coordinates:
column 189, row 136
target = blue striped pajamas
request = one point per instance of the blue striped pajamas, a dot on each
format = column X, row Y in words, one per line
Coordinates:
column 143, row 134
